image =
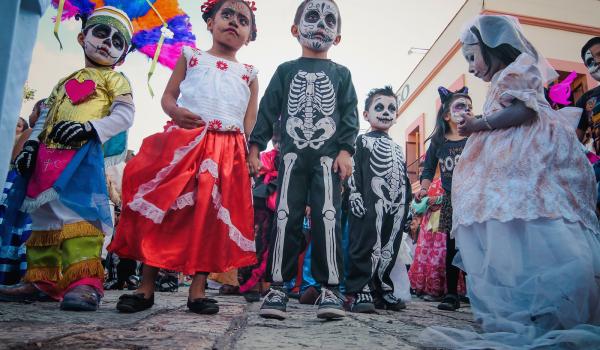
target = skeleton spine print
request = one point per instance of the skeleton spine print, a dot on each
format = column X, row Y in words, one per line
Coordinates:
column 311, row 102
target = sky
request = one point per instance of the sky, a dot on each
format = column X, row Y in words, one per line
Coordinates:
column 376, row 38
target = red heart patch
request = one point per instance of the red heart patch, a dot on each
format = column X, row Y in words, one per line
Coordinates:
column 78, row 92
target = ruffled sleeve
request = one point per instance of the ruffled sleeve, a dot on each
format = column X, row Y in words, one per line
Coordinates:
column 523, row 81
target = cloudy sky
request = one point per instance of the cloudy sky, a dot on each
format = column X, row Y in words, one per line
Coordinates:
column 376, row 37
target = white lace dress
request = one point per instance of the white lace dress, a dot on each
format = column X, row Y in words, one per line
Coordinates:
column 525, row 227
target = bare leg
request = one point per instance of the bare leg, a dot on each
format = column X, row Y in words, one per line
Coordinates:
column 197, row 289
column 149, row 274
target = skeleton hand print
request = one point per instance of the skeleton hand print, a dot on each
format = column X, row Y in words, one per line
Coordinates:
column 357, row 205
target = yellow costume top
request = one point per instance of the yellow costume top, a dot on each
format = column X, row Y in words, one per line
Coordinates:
column 76, row 98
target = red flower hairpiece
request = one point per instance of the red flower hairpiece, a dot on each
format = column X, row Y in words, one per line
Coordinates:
column 209, row 4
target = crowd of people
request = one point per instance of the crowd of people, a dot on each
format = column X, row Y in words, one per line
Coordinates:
column 326, row 216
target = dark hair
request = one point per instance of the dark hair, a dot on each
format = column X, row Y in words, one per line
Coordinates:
column 25, row 123
column 593, row 41
column 217, row 6
column 441, row 125
column 386, row 91
column 302, row 6
column 504, row 52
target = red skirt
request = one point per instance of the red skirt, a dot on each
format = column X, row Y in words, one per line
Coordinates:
column 187, row 203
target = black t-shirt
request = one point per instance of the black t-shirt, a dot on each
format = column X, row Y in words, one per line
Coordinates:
column 447, row 154
column 590, row 117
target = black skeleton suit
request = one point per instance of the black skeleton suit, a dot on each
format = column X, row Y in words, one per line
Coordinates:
column 316, row 104
column 379, row 203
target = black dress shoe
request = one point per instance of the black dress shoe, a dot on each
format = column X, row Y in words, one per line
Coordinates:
column 130, row 303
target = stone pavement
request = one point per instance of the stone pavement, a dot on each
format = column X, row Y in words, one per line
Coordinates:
column 168, row 325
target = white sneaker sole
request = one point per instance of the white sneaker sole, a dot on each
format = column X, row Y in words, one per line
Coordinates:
column 272, row 313
column 330, row 313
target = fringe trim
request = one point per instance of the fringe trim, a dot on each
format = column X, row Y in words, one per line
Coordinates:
column 37, row 274
column 91, row 268
column 55, row 237
column 114, row 160
column 31, row 204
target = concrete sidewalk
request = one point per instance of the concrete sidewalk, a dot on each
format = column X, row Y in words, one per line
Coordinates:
column 168, row 325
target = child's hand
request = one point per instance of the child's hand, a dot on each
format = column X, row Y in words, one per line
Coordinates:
column 419, row 195
column 343, row 165
column 469, row 125
column 254, row 164
column 184, row 118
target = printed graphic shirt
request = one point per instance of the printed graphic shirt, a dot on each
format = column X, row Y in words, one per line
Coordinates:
column 314, row 104
column 447, row 155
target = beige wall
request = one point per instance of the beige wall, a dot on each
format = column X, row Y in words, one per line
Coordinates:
column 552, row 43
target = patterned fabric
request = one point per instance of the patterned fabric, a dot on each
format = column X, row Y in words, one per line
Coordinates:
column 108, row 85
column 15, row 229
column 427, row 273
column 446, row 213
column 221, row 99
column 534, row 170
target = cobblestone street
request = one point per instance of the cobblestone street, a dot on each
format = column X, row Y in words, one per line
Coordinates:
column 168, row 325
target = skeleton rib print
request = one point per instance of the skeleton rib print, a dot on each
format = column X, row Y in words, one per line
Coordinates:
column 387, row 162
column 311, row 94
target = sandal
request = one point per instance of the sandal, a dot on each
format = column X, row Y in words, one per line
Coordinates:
column 203, row 306
column 130, row 303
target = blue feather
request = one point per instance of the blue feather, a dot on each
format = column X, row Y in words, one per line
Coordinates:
column 133, row 8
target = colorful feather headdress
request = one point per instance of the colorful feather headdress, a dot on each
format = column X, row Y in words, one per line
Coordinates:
column 160, row 27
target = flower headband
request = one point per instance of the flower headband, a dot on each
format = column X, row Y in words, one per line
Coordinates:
column 209, row 4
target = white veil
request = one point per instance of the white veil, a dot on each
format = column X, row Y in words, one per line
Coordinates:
column 497, row 30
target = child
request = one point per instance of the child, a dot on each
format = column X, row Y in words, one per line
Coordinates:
column 379, row 203
column 187, row 194
column 590, row 101
column 523, row 205
column 445, row 149
column 317, row 104
column 89, row 113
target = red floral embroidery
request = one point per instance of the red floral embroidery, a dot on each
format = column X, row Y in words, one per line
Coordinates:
column 222, row 65
column 249, row 67
column 193, row 61
column 246, row 78
column 215, row 124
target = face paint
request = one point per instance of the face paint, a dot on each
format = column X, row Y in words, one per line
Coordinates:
column 382, row 112
column 592, row 64
column 477, row 65
column 460, row 109
column 104, row 45
column 318, row 26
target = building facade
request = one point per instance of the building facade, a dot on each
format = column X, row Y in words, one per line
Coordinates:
column 557, row 28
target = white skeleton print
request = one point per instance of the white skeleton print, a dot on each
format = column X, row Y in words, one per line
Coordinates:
column 388, row 184
column 311, row 93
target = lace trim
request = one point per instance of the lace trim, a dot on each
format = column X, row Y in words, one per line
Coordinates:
column 147, row 209
column 186, row 200
column 235, row 235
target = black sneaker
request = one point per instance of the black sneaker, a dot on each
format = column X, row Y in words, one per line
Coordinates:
column 274, row 304
column 449, row 303
column 392, row 303
column 331, row 304
column 363, row 303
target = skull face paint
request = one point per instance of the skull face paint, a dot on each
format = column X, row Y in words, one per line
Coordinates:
column 593, row 63
column 104, row 45
column 318, row 27
column 382, row 112
column 460, row 109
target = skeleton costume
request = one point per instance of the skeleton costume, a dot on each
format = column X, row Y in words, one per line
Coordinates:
column 317, row 104
column 379, row 203
column 83, row 130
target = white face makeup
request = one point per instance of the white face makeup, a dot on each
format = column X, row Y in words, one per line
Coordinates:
column 318, row 27
column 477, row 65
column 460, row 109
column 382, row 112
column 104, row 44
column 593, row 64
